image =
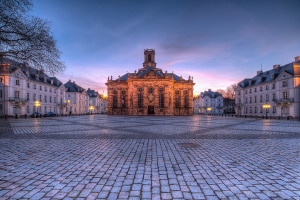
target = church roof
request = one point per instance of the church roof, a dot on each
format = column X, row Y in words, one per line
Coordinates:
column 146, row 71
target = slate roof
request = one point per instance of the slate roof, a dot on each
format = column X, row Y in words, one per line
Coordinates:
column 92, row 93
column 145, row 71
column 32, row 74
column 267, row 76
column 210, row 94
column 73, row 87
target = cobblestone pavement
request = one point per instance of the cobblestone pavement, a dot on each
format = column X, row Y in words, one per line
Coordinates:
column 116, row 157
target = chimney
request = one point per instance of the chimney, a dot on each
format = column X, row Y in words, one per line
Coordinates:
column 297, row 59
column 276, row 66
column 259, row 72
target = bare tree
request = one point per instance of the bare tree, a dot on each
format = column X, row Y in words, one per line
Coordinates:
column 230, row 91
column 26, row 38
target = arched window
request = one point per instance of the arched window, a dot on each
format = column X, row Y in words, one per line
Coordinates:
column 161, row 98
column 149, row 57
column 177, row 99
column 123, row 99
column 150, row 91
column 186, row 99
column 115, row 101
column 140, row 97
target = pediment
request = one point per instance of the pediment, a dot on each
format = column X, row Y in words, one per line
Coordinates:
column 19, row 74
column 284, row 75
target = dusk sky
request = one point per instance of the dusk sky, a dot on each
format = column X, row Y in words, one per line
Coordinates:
column 218, row 42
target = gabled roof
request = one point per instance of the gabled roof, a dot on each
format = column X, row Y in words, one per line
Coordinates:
column 73, row 87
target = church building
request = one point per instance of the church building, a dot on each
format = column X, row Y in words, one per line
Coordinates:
column 150, row 91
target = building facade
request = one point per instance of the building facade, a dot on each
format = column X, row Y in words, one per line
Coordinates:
column 273, row 93
column 150, row 91
column 26, row 91
column 76, row 99
column 209, row 102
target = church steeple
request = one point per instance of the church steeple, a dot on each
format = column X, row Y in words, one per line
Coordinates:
column 149, row 58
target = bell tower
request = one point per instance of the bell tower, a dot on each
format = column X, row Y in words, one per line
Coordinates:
column 149, row 58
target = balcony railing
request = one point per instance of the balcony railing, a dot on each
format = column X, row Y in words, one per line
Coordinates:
column 16, row 99
column 288, row 100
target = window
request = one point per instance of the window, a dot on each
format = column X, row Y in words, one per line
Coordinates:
column 255, row 109
column 140, row 97
column 28, row 98
column 177, row 99
column 45, row 98
column 285, row 94
column 1, row 94
column 250, row 99
column 260, row 88
column 115, row 101
column 284, row 83
column 28, row 109
column 150, row 91
column 17, row 94
column 260, row 98
column 40, row 87
column 250, row 90
column 274, row 109
column 45, row 89
column 1, row 80
column 123, row 98
column 161, row 98
column 50, row 90
column 254, row 99
column 34, row 97
column 186, row 99
column 273, row 86
column 34, row 86
column 17, row 82
column 28, row 85
column 274, row 96
column 50, row 99
column 267, row 97
column 267, row 87
column 40, row 98
column 254, row 89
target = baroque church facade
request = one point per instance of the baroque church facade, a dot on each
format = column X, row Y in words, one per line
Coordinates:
column 150, row 91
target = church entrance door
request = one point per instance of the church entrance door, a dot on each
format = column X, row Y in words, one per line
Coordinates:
column 150, row 110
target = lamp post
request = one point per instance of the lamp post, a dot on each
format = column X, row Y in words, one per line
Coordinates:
column 266, row 106
column 91, row 109
column 208, row 109
column 37, row 104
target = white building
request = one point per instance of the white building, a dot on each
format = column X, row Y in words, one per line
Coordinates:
column 76, row 99
column 24, row 91
column 209, row 102
column 273, row 93
column 97, row 102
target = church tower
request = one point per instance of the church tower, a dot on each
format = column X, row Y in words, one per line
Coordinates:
column 149, row 58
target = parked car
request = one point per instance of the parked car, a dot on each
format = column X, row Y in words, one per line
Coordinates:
column 50, row 114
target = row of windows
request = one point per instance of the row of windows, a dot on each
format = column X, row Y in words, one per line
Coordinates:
column 273, row 86
column 267, row 98
column 259, row 110
column 35, row 87
column 40, row 109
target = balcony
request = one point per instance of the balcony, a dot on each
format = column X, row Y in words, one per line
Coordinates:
column 16, row 99
column 284, row 101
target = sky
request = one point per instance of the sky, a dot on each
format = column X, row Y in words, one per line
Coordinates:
column 217, row 42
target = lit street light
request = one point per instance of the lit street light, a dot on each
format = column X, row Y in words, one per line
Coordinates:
column 266, row 106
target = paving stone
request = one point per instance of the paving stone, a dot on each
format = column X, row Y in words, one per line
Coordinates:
column 134, row 157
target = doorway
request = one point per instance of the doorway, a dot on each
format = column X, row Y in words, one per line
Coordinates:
column 150, row 110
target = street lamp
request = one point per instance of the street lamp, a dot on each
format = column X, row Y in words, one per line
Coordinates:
column 208, row 109
column 91, row 109
column 37, row 104
column 266, row 106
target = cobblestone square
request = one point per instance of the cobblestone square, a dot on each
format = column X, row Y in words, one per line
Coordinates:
column 121, row 157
